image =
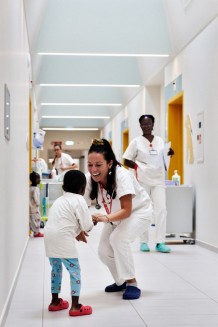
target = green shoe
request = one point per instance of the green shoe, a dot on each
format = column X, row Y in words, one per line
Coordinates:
column 162, row 247
column 144, row 247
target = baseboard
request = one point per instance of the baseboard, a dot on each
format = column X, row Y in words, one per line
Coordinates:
column 206, row 246
column 6, row 307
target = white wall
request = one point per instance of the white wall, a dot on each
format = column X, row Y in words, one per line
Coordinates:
column 198, row 65
column 117, row 135
column 152, row 106
column 14, row 191
column 147, row 101
column 135, row 109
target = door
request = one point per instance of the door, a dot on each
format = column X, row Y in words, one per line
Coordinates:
column 175, row 134
column 125, row 140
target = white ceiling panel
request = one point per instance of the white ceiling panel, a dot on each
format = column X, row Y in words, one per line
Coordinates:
column 104, row 26
column 98, row 53
column 89, row 70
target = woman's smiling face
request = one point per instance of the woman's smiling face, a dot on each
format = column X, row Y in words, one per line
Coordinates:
column 146, row 126
column 98, row 167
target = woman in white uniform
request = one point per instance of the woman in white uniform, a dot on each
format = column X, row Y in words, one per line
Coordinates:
column 62, row 162
column 126, row 212
column 145, row 155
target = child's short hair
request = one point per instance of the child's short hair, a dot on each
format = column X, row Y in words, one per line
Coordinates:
column 34, row 176
column 74, row 182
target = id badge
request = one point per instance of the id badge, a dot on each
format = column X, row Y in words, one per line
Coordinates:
column 153, row 152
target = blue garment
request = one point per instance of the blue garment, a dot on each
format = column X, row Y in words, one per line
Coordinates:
column 73, row 267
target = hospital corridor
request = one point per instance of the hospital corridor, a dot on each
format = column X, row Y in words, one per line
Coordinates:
column 114, row 102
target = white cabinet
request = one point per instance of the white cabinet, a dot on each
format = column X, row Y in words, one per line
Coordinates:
column 49, row 192
column 180, row 205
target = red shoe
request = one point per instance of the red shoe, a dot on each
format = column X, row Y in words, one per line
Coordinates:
column 84, row 310
column 61, row 306
column 39, row 235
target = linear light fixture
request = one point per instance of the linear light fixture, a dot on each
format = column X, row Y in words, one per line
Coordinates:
column 77, row 117
column 91, row 85
column 70, row 129
column 103, row 54
column 80, row 104
column 69, row 142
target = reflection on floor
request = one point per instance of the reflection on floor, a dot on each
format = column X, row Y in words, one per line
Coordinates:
column 178, row 289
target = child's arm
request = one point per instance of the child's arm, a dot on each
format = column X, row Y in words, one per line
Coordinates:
column 84, row 217
column 82, row 237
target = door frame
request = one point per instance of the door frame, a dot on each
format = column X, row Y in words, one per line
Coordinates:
column 125, row 141
column 175, row 123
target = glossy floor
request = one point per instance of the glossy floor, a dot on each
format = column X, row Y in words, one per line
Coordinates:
column 178, row 289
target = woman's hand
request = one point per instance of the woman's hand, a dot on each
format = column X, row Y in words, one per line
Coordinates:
column 170, row 152
column 99, row 217
column 123, row 213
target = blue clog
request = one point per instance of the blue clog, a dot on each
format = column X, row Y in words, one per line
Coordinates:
column 131, row 293
column 115, row 288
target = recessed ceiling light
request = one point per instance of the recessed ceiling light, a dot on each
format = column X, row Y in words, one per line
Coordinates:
column 103, row 54
column 77, row 117
column 79, row 104
column 69, row 142
column 91, row 85
column 69, row 129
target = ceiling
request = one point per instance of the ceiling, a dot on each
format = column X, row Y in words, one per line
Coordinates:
column 89, row 58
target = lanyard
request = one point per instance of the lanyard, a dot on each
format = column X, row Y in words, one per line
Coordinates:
column 108, row 210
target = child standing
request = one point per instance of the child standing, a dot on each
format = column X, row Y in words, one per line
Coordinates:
column 69, row 218
column 34, row 205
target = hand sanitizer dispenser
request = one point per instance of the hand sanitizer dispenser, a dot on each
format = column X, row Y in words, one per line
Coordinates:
column 176, row 178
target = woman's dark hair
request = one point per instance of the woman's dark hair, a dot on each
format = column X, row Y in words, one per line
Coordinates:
column 60, row 147
column 58, row 144
column 103, row 146
column 147, row 116
column 74, row 182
